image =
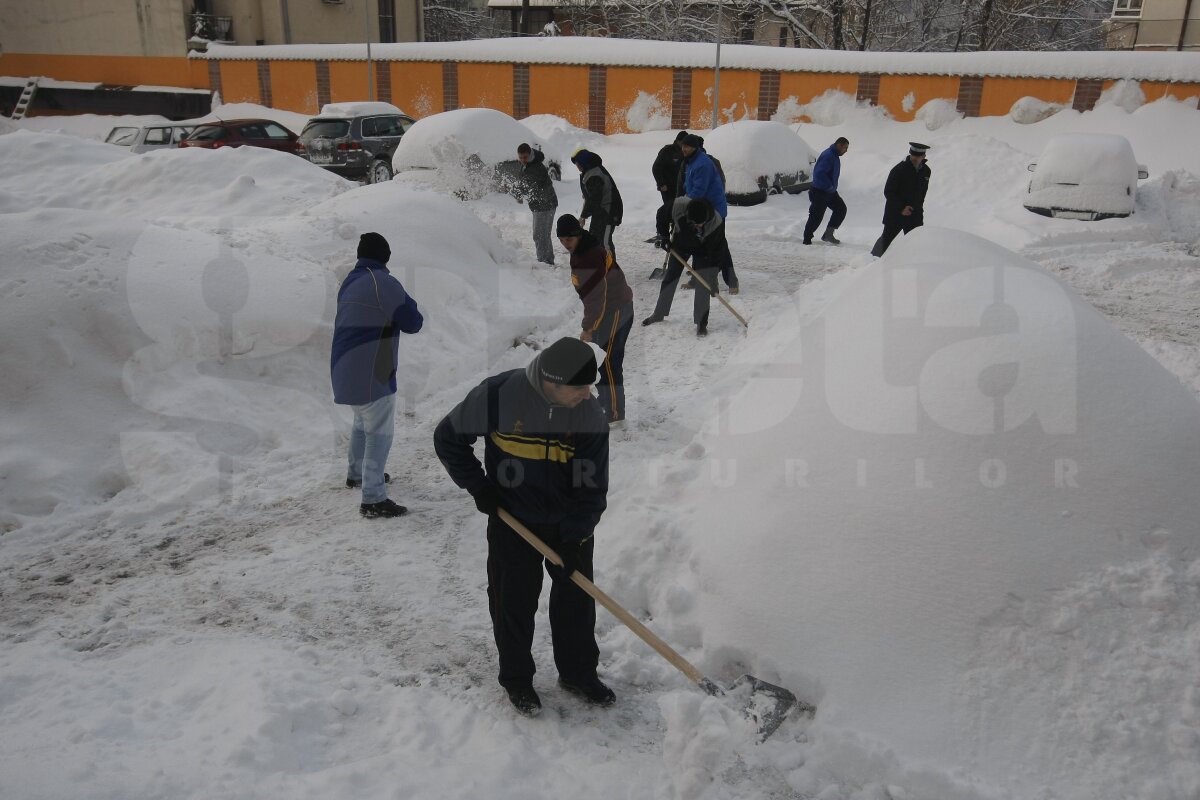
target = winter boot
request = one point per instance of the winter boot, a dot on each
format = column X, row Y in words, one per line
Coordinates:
column 354, row 484
column 653, row 318
column 384, row 508
column 590, row 689
column 702, row 329
column 829, row 237
column 525, row 700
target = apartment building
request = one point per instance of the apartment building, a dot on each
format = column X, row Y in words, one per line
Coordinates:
column 1154, row 25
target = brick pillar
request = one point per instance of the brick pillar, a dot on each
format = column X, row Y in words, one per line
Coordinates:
column 597, row 98
column 449, row 85
column 383, row 81
column 264, row 82
column 768, row 94
column 681, row 99
column 1087, row 92
column 970, row 95
column 323, row 93
column 868, row 89
column 520, row 91
column 214, row 76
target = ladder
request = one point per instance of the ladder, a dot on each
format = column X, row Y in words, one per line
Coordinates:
column 26, row 98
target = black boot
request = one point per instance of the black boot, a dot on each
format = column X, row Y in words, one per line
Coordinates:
column 829, row 237
column 384, row 508
column 525, row 700
column 653, row 318
column 589, row 688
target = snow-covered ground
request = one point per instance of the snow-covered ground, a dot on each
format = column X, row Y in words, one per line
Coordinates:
column 952, row 496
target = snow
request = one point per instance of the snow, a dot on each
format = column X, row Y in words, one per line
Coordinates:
column 1086, row 172
column 748, row 149
column 446, row 138
column 938, row 113
column 949, row 496
column 358, row 109
column 1028, row 110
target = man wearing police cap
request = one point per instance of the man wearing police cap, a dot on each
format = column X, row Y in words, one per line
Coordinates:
column 904, row 197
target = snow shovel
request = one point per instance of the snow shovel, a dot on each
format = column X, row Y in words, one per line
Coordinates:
column 766, row 704
column 708, row 288
column 657, row 273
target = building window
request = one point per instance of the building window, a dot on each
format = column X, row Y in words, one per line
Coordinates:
column 387, row 20
column 1127, row 8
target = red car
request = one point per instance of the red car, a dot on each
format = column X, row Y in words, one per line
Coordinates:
column 238, row 132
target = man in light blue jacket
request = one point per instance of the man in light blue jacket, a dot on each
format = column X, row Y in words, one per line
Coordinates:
column 824, row 192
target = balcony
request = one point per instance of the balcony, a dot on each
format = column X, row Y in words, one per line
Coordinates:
column 205, row 28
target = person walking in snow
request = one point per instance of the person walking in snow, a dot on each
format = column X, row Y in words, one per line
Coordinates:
column 601, row 199
column 904, row 195
column 537, row 189
column 545, row 461
column 823, row 193
column 607, row 308
column 666, row 177
column 701, row 178
column 699, row 234
column 372, row 309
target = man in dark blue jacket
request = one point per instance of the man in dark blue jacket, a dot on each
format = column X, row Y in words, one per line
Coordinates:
column 372, row 307
column 545, row 460
column 824, row 192
column 701, row 178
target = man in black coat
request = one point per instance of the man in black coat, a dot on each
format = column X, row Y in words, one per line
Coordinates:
column 666, row 178
column 699, row 234
column 904, row 193
column 602, row 202
column 536, row 188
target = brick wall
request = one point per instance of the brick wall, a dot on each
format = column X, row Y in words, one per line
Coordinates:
column 768, row 94
column 681, row 99
column 970, row 96
column 520, row 91
column 449, row 85
column 597, row 98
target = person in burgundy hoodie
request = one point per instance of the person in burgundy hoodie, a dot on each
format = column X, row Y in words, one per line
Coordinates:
column 607, row 308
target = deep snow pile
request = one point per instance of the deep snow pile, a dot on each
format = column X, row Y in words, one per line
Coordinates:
column 974, row 515
column 750, row 149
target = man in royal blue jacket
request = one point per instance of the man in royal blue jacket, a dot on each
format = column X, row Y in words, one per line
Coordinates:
column 545, row 460
column 701, row 179
column 824, row 192
column 372, row 307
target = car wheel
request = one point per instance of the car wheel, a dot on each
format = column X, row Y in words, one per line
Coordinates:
column 380, row 172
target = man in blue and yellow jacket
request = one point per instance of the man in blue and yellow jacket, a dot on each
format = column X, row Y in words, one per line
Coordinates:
column 545, row 462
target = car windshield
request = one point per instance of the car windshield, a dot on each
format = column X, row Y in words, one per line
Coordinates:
column 207, row 133
column 122, row 136
column 326, row 129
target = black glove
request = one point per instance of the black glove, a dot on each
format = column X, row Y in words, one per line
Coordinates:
column 487, row 499
column 664, row 243
column 570, row 552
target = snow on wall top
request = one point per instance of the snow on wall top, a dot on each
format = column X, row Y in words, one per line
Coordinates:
column 1180, row 67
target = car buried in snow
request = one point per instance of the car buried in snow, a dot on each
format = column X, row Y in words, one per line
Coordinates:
column 1087, row 176
column 472, row 150
column 355, row 140
column 760, row 158
column 147, row 137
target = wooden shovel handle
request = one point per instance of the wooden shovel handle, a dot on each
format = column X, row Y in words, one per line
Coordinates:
column 646, row 635
column 708, row 288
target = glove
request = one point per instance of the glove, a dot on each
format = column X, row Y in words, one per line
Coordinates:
column 664, row 243
column 570, row 552
column 487, row 499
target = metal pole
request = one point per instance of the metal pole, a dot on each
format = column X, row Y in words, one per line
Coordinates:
column 716, row 112
column 370, row 69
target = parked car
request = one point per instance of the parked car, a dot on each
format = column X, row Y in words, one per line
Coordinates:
column 355, row 140
column 474, row 148
column 241, row 132
column 1084, row 176
column 148, row 137
column 761, row 158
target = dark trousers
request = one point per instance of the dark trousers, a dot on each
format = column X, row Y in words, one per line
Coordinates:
column 612, row 335
column 602, row 229
column 818, row 201
column 891, row 230
column 727, row 273
column 514, row 584
column 662, row 217
column 708, row 270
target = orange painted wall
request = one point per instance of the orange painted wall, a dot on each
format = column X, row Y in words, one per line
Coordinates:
column 486, row 86
column 1156, row 90
column 804, row 86
column 294, row 86
column 737, row 86
column 894, row 88
column 999, row 94
column 417, row 87
column 348, row 81
column 624, row 84
column 115, row 70
column 560, row 90
column 239, row 82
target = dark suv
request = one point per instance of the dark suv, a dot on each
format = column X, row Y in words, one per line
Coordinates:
column 358, row 147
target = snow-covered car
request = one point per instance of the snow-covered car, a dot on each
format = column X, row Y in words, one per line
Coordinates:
column 147, row 137
column 1084, row 176
column 355, row 140
column 761, row 158
column 474, row 148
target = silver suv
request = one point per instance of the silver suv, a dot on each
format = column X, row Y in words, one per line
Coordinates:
column 357, row 146
column 150, row 137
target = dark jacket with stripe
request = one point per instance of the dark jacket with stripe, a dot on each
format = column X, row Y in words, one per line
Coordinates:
column 372, row 309
column 549, row 462
column 600, row 282
column 601, row 198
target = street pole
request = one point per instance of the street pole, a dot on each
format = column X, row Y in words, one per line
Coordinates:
column 716, row 112
column 370, row 69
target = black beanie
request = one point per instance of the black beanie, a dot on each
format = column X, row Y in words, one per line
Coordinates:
column 679, row 137
column 568, row 361
column 697, row 211
column 692, row 140
column 567, row 225
column 374, row 246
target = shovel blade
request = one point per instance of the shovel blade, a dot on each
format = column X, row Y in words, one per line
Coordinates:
column 767, row 705
column 656, row 274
